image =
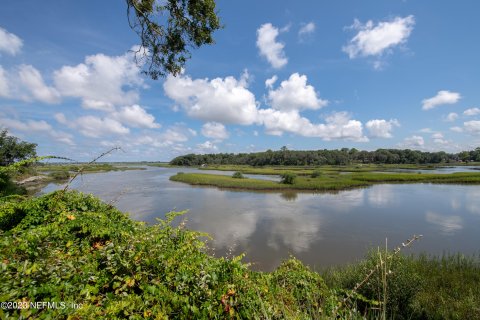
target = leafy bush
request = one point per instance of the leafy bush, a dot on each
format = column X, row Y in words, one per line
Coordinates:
column 60, row 175
column 299, row 285
column 72, row 247
column 8, row 187
column 11, row 213
column 238, row 175
column 316, row 173
column 288, row 178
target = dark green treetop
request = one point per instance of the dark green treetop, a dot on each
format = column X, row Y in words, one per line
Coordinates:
column 167, row 29
column 13, row 149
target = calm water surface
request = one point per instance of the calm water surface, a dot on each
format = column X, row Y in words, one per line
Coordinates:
column 320, row 229
column 441, row 170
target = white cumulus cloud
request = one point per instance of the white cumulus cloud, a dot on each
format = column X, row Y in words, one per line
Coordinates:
column 29, row 125
column 37, row 126
column 306, row 29
column 175, row 134
column 31, row 82
column 98, row 105
column 172, row 137
column 295, row 94
column 413, row 142
column 271, row 81
column 224, row 100
column 468, row 112
column 456, row 129
column 452, row 116
column 442, row 97
column 135, row 116
column 95, row 127
column 472, row 127
column 227, row 100
column 269, row 47
column 337, row 126
column 9, row 43
column 379, row 128
column 60, row 117
column 101, row 81
column 4, row 88
column 207, row 147
column 374, row 40
column 214, row 130
column 25, row 82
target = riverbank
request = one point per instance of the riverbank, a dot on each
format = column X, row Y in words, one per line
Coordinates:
column 40, row 175
column 73, row 248
column 325, row 181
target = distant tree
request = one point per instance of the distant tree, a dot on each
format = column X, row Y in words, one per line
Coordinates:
column 323, row 157
column 238, row 175
column 316, row 173
column 288, row 178
column 464, row 156
column 476, row 155
column 167, row 29
column 13, row 149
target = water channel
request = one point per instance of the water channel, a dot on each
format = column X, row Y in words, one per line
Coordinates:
column 320, row 229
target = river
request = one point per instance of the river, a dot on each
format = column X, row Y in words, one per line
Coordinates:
column 320, row 229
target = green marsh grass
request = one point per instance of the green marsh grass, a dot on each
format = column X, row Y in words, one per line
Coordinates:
column 327, row 181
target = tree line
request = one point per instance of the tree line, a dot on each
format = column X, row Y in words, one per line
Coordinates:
column 327, row 157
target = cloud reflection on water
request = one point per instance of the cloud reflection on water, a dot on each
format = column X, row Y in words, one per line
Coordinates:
column 473, row 200
column 381, row 195
column 448, row 224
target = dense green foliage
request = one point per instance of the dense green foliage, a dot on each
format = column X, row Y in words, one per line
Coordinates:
column 316, row 173
column 288, row 178
column 168, row 28
column 425, row 287
column 73, row 248
column 237, row 175
column 326, row 157
column 8, row 187
column 13, row 149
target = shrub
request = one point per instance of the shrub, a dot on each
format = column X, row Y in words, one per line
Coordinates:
column 11, row 214
column 288, row 178
column 298, row 285
column 238, row 175
column 316, row 173
column 72, row 247
column 403, row 283
column 60, row 175
column 8, row 187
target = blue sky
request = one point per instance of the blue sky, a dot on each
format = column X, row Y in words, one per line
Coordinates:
column 307, row 75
